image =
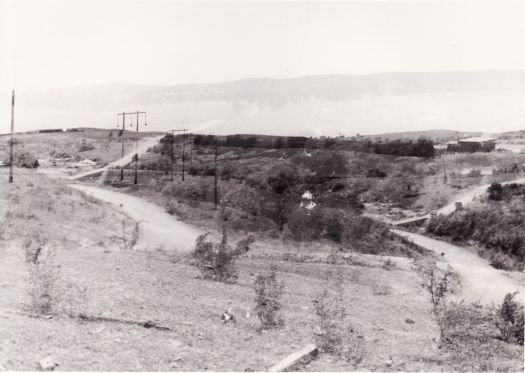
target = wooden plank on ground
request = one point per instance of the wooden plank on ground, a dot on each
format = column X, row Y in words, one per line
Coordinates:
column 308, row 351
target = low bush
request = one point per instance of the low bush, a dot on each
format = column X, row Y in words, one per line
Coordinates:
column 33, row 247
column 437, row 282
column 509, row 320
column 24, row 159
column 85, row 146
column 268, row 292
column 501, row 261
column 217, row 260
column 49, row 293
column 498, row 192
column 305, row 225
column 374, row 172
column 43, row 290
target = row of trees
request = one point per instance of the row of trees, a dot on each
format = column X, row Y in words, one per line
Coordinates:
column 420, row 148
column 251, row 141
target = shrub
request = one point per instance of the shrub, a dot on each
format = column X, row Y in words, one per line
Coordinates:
column 501, row 261
column 25, row 159
column 357, row 228
column 305, row 225
column 509, row 320
column 334, row 333
column 389, row 265
column 438, row 284
column 42, row 288
column 33, row 248
column 48, row 291
column 133, row 233
column 243, row 197
column 375, row 172
column 85, row 146
column 62, row 154
column 217, row 260
column 268, row 292
column 495, row 192
column 335, row 224
column 173, row 207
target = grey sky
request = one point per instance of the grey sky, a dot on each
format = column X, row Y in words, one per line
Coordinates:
column 50, row 43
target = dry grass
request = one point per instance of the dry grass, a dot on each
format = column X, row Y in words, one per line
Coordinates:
column 51, row 145
column 167, row 290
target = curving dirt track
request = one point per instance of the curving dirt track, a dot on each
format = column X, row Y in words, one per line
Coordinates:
column 465, row 198
column 470, row 194
column 121, row 162
column 157, row 228
column 479, row 281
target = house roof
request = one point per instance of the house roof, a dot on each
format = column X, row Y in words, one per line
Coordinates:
column 478, row 139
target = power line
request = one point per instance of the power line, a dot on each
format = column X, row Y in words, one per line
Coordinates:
column 172, row 151
column 136, row 157
column 215, row 181
column 122, row 140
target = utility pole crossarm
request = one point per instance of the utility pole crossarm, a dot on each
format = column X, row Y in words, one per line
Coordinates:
column 137, row 113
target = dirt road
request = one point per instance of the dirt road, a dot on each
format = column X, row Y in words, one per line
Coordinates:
column 465, row 198
column 479, row 281
column 121, row 162
column 157, row 228
column 469, row 195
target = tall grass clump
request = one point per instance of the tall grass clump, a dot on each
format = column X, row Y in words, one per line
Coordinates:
column 48, row 292
column 268, row 292
column 42, row 274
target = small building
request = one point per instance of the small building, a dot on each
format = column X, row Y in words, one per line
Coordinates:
column 473, row 144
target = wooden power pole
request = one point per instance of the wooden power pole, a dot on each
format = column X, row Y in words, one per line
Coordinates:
column 172, row 152
column 12, row 142
column 137, row 144
column 216, row 177
column 122, row 140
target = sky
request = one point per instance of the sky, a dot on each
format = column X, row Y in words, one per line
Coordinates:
column 48, row 44
column 54, row 43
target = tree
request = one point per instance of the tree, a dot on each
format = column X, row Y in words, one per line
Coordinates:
column 296, row 142
column 279, row 201
column 278, row 143
column 250, row 142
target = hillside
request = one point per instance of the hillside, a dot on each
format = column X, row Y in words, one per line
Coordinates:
column 487, row 101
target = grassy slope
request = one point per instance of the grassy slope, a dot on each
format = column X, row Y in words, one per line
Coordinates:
column 157, row 286
column 43, row 144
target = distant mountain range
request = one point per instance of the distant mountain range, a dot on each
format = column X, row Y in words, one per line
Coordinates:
column 478, row 101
